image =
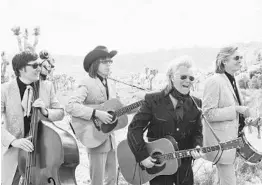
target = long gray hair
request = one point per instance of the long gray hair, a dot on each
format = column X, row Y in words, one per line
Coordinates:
column 174, row 65
column 223, row 56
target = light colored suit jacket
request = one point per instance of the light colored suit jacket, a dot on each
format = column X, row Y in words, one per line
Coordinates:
column 219, row 101
column 91, row 91
column 13, row 122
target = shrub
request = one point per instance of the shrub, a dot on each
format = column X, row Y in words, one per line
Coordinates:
column 255, row 72
column 243, row 82
column 256, row 82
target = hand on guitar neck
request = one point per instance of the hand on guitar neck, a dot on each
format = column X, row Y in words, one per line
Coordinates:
column 196, row 154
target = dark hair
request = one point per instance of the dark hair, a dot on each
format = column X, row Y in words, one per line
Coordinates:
column 20, row 60
column 222, row 56
column 44, row 54
column 94, row 68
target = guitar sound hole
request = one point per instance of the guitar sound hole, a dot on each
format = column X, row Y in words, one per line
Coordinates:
column 159, row 166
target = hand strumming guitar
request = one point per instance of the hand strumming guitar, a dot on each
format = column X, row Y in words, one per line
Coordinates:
column 104, row 116
column 243, row 110
column 148, row 162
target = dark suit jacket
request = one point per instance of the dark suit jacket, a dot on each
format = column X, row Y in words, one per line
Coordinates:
column 158, row 115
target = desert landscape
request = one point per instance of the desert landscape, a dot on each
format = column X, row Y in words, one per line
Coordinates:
column 203, row 170
column 147, row 35
column 144, row 70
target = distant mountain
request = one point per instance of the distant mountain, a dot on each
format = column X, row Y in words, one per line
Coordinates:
column 204, row 58
column 136, row 62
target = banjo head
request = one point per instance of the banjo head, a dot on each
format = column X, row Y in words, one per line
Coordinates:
column 251, row 136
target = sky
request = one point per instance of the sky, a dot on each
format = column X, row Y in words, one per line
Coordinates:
column 74, row 27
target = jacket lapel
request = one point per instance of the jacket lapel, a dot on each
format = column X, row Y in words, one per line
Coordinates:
column 16, row 115
column 170, row 106
column 102, row 87
column 16, row 99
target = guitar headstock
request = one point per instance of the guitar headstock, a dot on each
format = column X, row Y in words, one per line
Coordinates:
column 236, row 143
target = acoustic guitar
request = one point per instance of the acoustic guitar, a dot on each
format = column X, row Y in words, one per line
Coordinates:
column 93, row 133
column 167, row 155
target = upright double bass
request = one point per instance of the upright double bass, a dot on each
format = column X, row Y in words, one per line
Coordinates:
column 55, row 156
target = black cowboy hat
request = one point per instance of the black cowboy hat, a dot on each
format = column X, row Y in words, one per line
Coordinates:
column 97, row 53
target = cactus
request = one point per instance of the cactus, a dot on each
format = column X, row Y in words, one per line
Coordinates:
column 27, row 45
column 4, row 63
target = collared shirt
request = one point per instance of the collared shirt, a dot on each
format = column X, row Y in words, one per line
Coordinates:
column 27, row 120
column 104, row 82
column 233, row 83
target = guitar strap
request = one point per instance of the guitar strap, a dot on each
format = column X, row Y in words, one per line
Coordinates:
column 218, row 140
column 146, row 127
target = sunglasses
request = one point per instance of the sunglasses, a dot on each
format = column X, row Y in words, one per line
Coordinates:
column 184, row 77
column 106, row 60
column 238, row 58
column 35, row 65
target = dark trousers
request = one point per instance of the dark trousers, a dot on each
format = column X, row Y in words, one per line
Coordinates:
column 183, row 176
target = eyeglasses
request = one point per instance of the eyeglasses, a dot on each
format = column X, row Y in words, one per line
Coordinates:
column 35, row 65
column 238, row 58
column 106, row 60
column 184, row 77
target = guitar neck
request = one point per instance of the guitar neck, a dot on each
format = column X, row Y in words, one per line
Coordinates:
column 128, row 108
column 187, row 153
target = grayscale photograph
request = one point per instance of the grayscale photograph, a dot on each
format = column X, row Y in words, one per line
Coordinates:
column 131, row 92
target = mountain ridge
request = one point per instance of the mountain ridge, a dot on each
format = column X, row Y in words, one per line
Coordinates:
column 204, row 59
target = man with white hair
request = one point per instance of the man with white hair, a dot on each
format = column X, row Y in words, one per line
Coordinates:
column 171, row 112
column 224, row 109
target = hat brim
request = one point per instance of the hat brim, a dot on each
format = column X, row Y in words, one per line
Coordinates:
column 96, row 54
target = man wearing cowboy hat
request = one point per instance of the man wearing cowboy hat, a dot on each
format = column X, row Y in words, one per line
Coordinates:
column 95, row 89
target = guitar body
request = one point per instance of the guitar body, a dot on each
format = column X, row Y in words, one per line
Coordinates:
column 134, row 173
column 167, row 155
column 89, row 135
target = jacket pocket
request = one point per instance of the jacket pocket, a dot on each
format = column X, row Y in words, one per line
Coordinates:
column 192, row 121
column 160, row 126
column 159, row 118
